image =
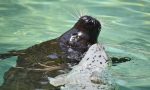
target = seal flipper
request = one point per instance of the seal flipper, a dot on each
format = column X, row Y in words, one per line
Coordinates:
column 116, row 60
column 10, row 54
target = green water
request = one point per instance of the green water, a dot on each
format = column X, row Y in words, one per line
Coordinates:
column 125, row 31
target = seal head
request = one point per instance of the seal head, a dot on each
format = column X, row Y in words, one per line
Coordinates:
column 90, row 26
column 83, row 34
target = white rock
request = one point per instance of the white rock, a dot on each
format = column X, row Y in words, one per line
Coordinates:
column 90, row 74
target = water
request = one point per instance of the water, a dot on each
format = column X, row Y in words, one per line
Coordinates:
column 125, row 31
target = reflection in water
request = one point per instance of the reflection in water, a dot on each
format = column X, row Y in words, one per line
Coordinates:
column 125, row 28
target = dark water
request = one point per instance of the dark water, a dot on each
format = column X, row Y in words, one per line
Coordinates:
column 125, row 31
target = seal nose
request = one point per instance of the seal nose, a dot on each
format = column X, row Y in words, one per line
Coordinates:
column 88, row 20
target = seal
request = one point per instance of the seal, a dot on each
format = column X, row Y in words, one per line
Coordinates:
column 50, row 58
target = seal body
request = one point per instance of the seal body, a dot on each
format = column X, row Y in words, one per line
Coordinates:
column 49, row 58
column 90, row 74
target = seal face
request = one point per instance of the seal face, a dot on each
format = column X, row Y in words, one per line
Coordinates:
column 82, row 35
column 90, row 26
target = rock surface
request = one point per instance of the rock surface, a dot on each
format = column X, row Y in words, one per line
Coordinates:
column 90, row 74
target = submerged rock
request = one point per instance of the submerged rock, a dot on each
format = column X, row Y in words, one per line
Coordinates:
column 90, row 74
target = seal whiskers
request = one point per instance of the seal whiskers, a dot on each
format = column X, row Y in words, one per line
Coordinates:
column 77, row 13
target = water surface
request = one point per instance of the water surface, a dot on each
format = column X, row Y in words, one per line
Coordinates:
column 125, row 31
